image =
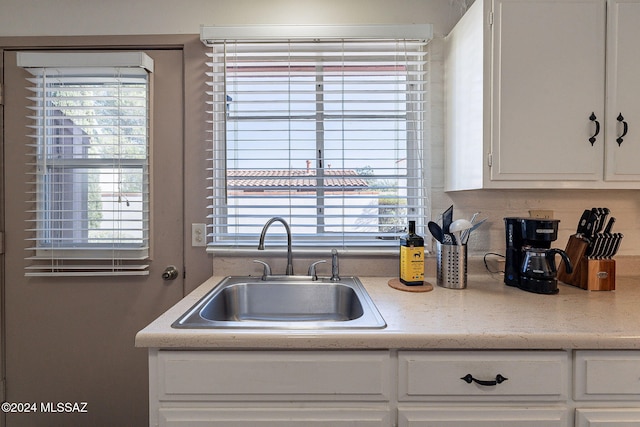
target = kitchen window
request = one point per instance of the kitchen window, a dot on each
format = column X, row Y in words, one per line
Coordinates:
column 89, row 163
column 326, row 132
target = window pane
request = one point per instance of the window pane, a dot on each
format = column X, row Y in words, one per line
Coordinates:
column 330, row 141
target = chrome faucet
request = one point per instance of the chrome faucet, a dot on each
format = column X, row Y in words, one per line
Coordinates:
column 289, row 271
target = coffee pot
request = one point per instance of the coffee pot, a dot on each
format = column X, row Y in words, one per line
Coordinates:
column 538, row 271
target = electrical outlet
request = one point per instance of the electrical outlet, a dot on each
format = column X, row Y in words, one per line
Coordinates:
column 541, row 213
column 198, row 234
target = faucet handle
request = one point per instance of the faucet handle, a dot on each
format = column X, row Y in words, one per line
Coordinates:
column 312, row 269
column 335, row 266
column 267, row 269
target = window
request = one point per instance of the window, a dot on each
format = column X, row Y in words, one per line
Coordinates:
column 90, row 163
column 327, row 134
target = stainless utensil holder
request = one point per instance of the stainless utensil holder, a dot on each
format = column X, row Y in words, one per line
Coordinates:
column 451, row 266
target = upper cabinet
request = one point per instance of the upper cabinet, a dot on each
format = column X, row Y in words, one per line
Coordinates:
column 531, row 101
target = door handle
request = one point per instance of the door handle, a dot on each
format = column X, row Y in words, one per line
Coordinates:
column 625, row 129
column 593, row 118
column 170, row 273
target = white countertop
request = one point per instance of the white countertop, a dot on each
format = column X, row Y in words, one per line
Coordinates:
column 485, row 315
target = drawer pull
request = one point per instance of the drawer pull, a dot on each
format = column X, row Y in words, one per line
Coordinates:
column 469, row 379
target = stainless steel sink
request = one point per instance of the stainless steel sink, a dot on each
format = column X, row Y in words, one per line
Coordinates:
column 286, row 302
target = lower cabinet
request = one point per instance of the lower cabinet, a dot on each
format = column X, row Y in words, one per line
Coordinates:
column 608, row 417
column 610, row 378
column 394, row 388
column 482, row 417
column 483, row 388
column 264, row 417
column 270, row 388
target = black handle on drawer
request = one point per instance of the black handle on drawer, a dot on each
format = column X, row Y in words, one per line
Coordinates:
column 593, row 118
column 469, row 379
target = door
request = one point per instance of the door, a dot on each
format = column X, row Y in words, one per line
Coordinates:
column 71, row 339
column 623, row 91
column 548, row 77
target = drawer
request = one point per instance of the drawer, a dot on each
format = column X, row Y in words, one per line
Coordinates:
column 273, row 375
column 471, row 376
column 483, row 417
column 607, row 375
column 274, row 417
column 608, row 417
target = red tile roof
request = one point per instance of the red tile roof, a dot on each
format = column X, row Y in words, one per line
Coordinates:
column 266, row 179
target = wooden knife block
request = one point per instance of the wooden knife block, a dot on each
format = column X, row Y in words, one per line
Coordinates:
column 576, row 250
column 589, row 274
column 598, row 274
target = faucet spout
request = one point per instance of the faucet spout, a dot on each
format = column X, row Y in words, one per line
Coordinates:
column 289, row 271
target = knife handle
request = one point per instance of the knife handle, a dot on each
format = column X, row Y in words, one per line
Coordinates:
column 607, row 229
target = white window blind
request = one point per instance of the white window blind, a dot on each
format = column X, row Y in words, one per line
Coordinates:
column 326, row 133
column 88, row 204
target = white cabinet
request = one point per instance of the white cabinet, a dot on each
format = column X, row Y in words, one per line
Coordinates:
column 522, row 80
column 607, row 417
column 623, row 91
column 483, row 417
column 270, row 388
column 267, row 417
column 609, row 378
column 483, row 388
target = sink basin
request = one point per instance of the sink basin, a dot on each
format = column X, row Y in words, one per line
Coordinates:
column 287, row 302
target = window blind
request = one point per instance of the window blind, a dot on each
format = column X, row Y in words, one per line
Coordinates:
column 326, row 133
column 88, row 203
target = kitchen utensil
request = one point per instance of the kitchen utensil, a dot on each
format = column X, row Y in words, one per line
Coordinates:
column 467, row 233
column 609, row 226
column 591, row 223
column 447, row 219
column 457, row 227
column 582, row 223
column 436, row 231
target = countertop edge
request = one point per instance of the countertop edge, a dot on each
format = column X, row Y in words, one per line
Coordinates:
column 408, row 328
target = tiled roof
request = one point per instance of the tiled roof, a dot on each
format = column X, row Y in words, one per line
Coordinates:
column 297, row 178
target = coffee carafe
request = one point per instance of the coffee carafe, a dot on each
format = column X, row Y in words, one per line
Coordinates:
column 538, row 271
column 530, row 263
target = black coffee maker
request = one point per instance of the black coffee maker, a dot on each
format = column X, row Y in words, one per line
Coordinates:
column 530, row 263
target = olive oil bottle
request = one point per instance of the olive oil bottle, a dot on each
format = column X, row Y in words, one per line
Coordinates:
column 412, row 257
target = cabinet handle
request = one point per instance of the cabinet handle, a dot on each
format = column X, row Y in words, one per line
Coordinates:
column 593, row 118
column 625, row 129
column 469, row 379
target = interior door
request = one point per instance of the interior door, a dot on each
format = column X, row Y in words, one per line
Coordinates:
column 72, row 339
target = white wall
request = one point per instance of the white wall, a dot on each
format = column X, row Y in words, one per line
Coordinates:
column 100, row 17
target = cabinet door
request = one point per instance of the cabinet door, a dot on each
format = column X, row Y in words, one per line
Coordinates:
column 548, row 77
column 623, row 91
column 482, row 417
column 607, row 417
column 265, row 417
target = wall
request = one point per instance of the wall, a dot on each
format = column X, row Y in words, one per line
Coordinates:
column 131, row 17
column 71, row 17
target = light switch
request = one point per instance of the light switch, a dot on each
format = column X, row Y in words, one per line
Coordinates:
column 198, row 234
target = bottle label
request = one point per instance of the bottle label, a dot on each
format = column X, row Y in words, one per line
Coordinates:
column 412, row 263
